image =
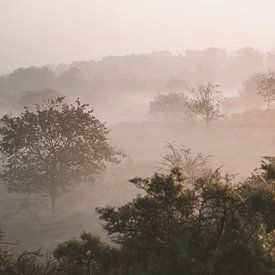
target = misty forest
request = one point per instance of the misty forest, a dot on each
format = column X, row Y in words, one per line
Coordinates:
column 155, row 163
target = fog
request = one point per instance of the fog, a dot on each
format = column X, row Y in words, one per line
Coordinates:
column 118, row 56
column 42, row 32
column 120, row 90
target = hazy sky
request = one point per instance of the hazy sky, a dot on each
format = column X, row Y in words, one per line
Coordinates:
column 35, row 32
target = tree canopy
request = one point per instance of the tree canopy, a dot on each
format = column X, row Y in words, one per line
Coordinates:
column 211, row 227
column 49, row 149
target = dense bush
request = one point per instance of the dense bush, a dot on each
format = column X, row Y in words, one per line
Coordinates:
column 209, row 228
column 212, row 226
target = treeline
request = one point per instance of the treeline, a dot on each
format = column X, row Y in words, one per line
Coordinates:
column 155, row 72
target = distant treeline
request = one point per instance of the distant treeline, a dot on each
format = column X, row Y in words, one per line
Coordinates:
column 154, row 72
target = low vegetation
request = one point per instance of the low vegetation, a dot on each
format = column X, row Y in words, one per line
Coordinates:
column 212, row 226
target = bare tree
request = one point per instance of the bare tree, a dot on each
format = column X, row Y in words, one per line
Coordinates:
column 206, row 101
column 192, row 165
column 266, row 87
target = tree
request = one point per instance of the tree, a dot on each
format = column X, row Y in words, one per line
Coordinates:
column 192, row 166
column 49, row 149
column 207, row 228
column 86, row 256
column 172, row 105
column 268, row 168
column 206, row 101
column 266, row 87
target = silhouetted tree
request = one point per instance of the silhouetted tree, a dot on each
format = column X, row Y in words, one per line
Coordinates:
column 207, row 228
column 49, row 149
column 268, row 168
column 213, row 226
column 86, row 256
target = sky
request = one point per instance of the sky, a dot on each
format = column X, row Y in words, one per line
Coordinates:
column 37, row 32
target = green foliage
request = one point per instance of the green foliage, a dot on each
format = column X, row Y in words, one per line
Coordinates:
column 212, row 226
column 208, row 228
column 86, row 256
column 268, row 168
column 49, row 149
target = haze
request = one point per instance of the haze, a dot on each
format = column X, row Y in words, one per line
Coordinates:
column 94, row 93
column 36, row 32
